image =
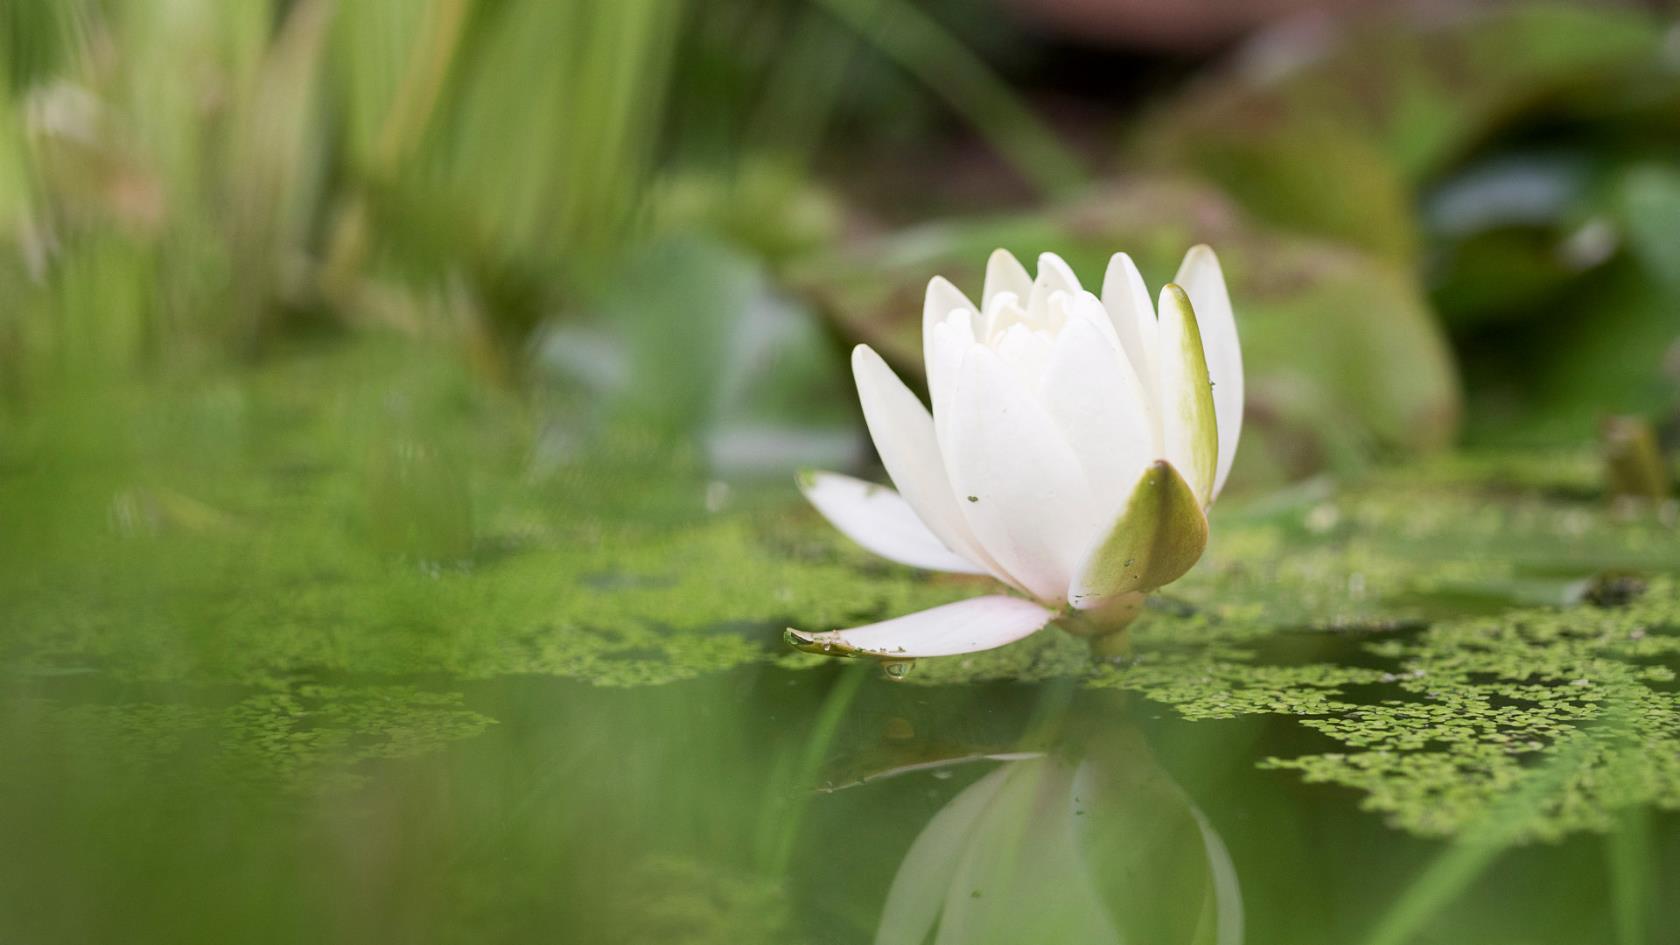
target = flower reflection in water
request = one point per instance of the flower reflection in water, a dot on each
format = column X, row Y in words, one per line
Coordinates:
column 1092, row 846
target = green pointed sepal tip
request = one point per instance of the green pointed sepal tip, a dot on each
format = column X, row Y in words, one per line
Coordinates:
column 1158, row 536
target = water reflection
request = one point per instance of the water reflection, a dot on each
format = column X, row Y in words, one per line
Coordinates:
column 1088, row 842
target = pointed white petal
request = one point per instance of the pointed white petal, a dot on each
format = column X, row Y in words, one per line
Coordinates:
column 1004, row 273
column 903, row 433
column 881, row 521
column 1018, row 483
column 1090, row 390
column 1158, row 535
column 1203, row 281
column 943, row 348
column 942, row 303
column 1126, row 298
column 1054, row 276
column 1082, row 306
column 967, row 626
column 942, row 299
column 1189, row 428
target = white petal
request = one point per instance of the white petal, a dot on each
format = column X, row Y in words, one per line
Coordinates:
column 903, row 433
column 944, row 302
column 1084, row 307
column 1054, row 276
column 967, row 626
column 1090, row 390
column 1189, row 428
column 1018, row 483
column 1003, row 312
column 943, row 298
column 1026, row 353
column 943, row 349
column 1004, row 273
column 1203, row 281
column 1126, row 298
column 881, row 521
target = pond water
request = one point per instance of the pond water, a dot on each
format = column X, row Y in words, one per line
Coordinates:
column 350, row 649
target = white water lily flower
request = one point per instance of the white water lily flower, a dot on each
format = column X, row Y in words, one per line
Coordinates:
column 1073, row 449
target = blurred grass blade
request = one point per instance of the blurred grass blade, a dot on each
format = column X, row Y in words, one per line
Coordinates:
column 395, row 57
column 553, row 141
column 803, row 89
column 275, row 161
column 927, row 51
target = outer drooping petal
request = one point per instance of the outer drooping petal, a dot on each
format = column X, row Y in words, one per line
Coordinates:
column 903, row 433
column 1019, row 485
column 967, row 626
column 1158, row 535
column 1189, row 430
column 1203, row 281
column 879, row 519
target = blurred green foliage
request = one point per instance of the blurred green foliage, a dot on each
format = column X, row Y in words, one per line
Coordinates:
column 1335, row 133
column 228, row 173
column 1515, row 157
column 183, row 180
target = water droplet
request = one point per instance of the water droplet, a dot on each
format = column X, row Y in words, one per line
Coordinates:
column 897, row 669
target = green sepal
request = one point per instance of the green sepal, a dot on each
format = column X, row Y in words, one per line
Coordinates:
column 1157, row 537
column 1190, row 414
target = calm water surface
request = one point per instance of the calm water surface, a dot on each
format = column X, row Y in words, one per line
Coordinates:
column 731, row 808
